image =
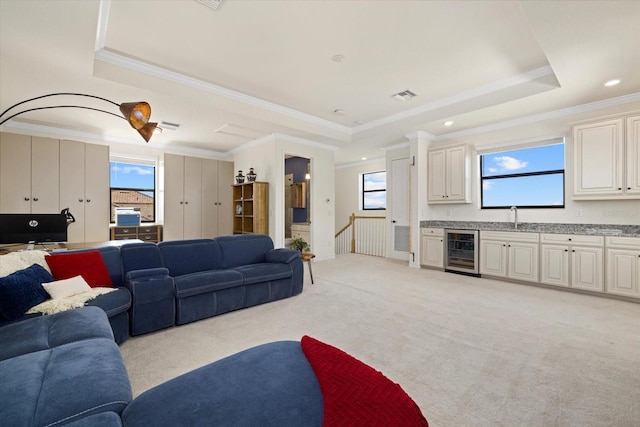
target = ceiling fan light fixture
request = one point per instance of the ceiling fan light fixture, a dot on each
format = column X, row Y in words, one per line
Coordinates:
column 148, row 130
column 136, row 113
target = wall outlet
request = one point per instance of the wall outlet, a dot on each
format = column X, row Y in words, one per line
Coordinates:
column 579, row 212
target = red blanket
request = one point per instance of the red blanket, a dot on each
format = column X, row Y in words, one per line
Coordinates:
column 355, row 394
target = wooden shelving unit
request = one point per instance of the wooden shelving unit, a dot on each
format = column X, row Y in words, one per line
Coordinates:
column 147, row 233
column 251, row 208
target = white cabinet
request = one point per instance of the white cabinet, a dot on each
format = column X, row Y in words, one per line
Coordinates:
column 29, row 174
column 432, row 247
column 633, row 156
column 182, row 197
column 606, row 156
column 196, row 197
column 302, row 231
column 575, row 261
column 84, row 184
column 448, row 175
column 623, row 266
column 217, row 216
column 512, row 255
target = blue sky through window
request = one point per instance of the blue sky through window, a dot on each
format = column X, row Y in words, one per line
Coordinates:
column 127, row 175
column 372, row 182
column 524, row 190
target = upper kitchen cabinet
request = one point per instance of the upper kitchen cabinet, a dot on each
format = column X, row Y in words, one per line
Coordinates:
column 606, row 157
column 29, row 174
column 448, row 175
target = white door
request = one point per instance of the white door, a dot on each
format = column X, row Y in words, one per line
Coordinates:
column 398, row 201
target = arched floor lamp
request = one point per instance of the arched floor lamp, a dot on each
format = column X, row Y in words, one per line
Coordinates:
column 136, row 113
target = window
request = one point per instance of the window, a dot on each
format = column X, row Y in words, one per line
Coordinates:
column 133, row 185
column 374, row 191
column 526, row 178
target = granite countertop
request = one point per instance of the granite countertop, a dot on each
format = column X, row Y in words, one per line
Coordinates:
column 539, row 227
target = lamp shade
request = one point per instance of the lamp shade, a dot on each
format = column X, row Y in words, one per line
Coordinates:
column 147, row 130
column 137, row 114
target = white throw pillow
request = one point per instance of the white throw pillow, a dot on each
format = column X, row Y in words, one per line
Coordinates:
column 67, row 287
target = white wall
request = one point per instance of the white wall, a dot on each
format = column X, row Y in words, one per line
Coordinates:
column 348, row 183
column 623, row 212
column 267, row 156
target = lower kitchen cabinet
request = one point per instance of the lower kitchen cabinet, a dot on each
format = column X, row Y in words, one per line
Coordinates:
column 432, row 247
column 623, row 266
column 573, row 261
column 512, row 255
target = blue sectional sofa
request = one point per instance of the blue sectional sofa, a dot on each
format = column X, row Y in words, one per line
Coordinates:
column 177, row 282
column 66, row 369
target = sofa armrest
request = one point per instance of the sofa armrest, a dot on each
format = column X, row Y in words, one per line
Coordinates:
column 147, row 273
column 282, row 255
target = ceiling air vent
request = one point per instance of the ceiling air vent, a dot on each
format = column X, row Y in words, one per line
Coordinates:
column 404, row 95
column 213, row 4
column 168, row 126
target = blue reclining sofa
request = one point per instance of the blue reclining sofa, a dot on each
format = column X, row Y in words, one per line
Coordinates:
column 177, row 282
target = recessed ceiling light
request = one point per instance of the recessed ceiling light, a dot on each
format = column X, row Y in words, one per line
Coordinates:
column 338, row 111
column 612, row 82
column 404, row 95
column 448, row 123
column 337, row 58
column 364, row 158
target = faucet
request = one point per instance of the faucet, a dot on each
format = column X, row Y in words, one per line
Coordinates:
column 515, row 218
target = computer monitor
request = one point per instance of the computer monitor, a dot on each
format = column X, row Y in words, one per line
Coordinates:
column 33, row 228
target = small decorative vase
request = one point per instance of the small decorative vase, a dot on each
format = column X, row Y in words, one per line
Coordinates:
column 238, row 209
column 239, row 178
column 251, row 175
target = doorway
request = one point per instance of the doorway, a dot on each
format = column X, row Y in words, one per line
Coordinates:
column 297, row 198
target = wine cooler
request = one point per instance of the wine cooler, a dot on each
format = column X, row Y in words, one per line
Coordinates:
column 461, row 251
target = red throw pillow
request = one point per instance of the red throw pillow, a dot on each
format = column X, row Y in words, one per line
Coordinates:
column 355, row 394
column 89, row 265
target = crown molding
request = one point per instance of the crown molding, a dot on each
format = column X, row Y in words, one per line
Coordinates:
column 584, row 108
column 520, row 79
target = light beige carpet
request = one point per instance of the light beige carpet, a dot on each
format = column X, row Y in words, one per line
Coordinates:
column 471, row 352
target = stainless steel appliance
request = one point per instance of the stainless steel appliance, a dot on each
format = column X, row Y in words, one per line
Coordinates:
column 461, row 251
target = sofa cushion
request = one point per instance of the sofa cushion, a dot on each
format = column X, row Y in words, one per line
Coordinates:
column 266, row 272
column 63, row 384
column 114, row 302
column 89, row 265
column 190, row 256
column 21, row 290
column 244, row 249
column 356, row 394
column 269, row 385
column 206, row 281
column 140, row 256
column 46, row 332
column 66, row 287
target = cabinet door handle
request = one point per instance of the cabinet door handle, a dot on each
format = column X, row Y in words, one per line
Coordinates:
column 26, row 199
column 182, row 203
column 35, row 199
column 566, row 250
column 619, row 188
column 81, row 200
column 573, row 251
column 88, row 200
column 186, row 203
column 628, row 188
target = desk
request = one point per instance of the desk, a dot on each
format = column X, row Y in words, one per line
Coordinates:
column 53, row 247
column 308, row 256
